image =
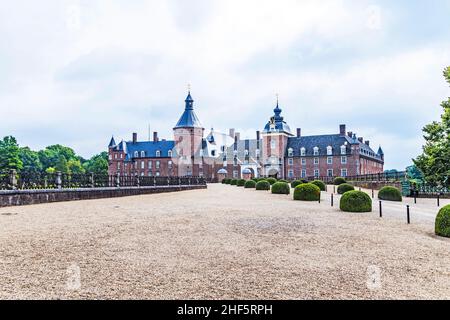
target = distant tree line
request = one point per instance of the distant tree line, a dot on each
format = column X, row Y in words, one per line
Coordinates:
column 51, row 159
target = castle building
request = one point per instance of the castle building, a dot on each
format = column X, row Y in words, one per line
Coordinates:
column 275, row 151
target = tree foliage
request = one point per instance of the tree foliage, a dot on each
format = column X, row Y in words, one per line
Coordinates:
column 434, row 161
column 10, row 154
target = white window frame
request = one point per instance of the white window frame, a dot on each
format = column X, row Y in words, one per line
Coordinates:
column 142, row 164
column 343, row 150
column 316, row 161
column 303, row 152
column 290, row 152
column 316, row 151
column 136, row 154
column 328, row 173
column 291, row 161
column 316, row 173
column 344, row 160
column 329, row 160
column 290, row 173
column 142, row 154
column 303, row 174
column 344, row 172
column 158, row 165
column 170, row 153
column 329, row 150
column 303, row 161
column 158, row 154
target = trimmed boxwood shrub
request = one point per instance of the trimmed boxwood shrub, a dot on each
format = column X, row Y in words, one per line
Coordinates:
column 442, row 227
column 390, row 194
column 307, row 192
column 339, row 180
column 226, row 181
column 241, row 182
column 263, row 185
column 281, row 188
column 250, row 184
column 296, row 183
column 345, row 187
column 271, row 180
column 233, row 182
column 356, row 201
column 320, row 184
column 282, row 180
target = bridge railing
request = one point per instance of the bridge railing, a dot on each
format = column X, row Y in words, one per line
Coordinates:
column 12, row 180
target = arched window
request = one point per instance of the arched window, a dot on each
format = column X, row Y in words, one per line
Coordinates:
column 303, row 152
column 329, row 150
column 136, row 154
column 290, row 152
column 316, row 151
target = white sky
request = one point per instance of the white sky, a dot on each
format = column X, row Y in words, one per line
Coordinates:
column 75, row 72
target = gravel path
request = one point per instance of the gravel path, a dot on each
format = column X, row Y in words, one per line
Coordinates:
column 220, row 243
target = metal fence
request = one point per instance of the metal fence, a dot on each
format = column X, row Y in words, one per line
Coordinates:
column 37, row 180
column 376, row 177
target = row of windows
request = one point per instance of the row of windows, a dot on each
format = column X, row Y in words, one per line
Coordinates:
column 158, row 154
column 316, row 151
column 317, row 161
column 304, row 173
column 149, row 164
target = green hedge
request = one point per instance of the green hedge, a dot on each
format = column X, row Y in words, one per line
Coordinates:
column 241, row 182
column 390, row 194
column 282, row 180
column 271, row 180
column 226, row 181
column 296, row 183
column 263, row 185
column 233, row 182
column 356, row 201
column 307, row 192
column 320, row 184
column 345, row 187
column 442, row 227
column 281, row 188
column 250, row 184
column 339, row 180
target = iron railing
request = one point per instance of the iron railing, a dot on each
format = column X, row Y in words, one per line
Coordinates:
column 37, row 180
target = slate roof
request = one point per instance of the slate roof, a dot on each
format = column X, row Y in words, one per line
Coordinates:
column 112, row 143
column 278, row 120
column 189, row 119
column 149, row 147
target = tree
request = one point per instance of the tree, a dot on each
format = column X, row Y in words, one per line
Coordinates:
column 51, row 156
column 75, row 167
column 434, row 161
column 30, row 160
column 61, row 164
column 414, row 173
column 97, row 164
column 10, row 154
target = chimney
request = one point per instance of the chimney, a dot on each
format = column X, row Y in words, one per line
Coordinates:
column 258, row 135
column 350, row 134
column 238, row 136
column 367, row 142
column 155, row 137
column 361, row 139
column 299, row 132
column 231, row 133
column 134, row 137
column 342, row 129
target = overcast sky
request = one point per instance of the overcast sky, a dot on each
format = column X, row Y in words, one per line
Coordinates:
column 76, row 72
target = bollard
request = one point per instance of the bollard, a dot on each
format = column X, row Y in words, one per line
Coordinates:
column 334, row 189
column 58, row 180
column 320, row 196
column 373, row 194
column 381, row 210
column 415, row 199
column 438, row 201
column 13, row 179
column 407, row 214
column 332, row 200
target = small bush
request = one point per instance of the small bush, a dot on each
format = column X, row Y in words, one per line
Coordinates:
column 282, row 180
column 339, row 180
column 307, row 192
column 320, row 184
column 226, row 181
column 281, row 188
column 250, row 184
column 271, row 180
column 241, row 182
column 356, row 201
column 263, row 185
column 390, row 194
column 442, row 227
column 233, row 182
column 345, row 187
column 296, row 183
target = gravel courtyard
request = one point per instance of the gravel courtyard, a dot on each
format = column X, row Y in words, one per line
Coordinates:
column 220, row 243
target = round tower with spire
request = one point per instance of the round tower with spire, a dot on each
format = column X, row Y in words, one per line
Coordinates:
column 188, row 136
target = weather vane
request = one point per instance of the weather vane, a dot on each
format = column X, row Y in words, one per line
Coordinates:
column 189, row 87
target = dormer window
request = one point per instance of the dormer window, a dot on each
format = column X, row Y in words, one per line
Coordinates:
column 246, row 152
column 329, row 150
column 170, row 153
column 343, row 149
column 158, row 154
column 142, row 154
column 136, row 154
column 316, row 151
column 303, row 152
column 290, row 152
